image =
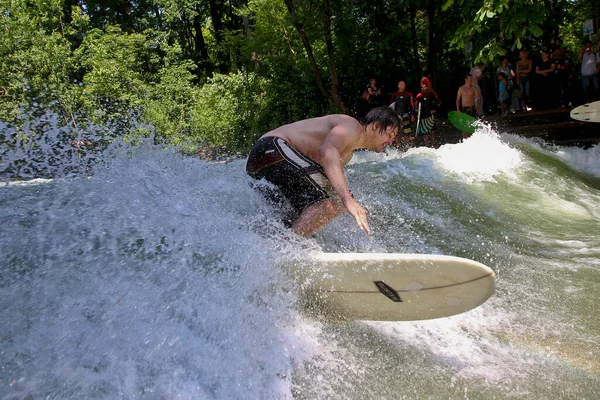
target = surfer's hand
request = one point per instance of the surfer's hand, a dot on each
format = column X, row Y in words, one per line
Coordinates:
column 359, row 214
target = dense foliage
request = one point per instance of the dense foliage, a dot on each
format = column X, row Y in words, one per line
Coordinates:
column 217, row 74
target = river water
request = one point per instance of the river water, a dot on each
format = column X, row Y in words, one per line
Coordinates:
column 140, row 273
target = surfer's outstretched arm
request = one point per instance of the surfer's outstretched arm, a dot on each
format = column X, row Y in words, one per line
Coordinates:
column 330, row 152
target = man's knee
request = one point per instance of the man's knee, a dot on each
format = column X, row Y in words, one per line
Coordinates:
column 331, row 207
column 316, row 215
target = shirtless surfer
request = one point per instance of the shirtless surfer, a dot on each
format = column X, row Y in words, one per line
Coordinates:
column 467, row 98
column 305, row 160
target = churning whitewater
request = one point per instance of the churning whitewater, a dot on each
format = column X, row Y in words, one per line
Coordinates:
column 138, row 272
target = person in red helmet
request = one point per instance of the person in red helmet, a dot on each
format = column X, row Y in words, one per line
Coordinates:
column 427, row 103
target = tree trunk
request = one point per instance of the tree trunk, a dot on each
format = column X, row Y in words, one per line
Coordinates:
column 157, row 14
column 216, row 11
column 311, row 58
column 551, row 37
column 200, row 50
column 245, row 19
column 216, row 16
column 68, row 10
column 335, row 86
column 412, row 9
column 430, row 39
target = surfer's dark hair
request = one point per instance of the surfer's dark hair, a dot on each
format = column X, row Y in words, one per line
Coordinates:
column 385, row 116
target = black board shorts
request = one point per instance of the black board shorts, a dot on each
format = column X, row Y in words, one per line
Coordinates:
column 470, row 110
column 300, row 179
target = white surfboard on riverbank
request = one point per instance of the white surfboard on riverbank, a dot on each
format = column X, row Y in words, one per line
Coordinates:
column 589, row 112
column 390, row 287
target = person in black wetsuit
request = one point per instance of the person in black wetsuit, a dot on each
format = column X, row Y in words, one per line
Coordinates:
column 426, row 104
column 545, row 89
column 403, row 104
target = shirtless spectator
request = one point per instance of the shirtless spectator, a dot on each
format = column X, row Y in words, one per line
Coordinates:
column 466, row 99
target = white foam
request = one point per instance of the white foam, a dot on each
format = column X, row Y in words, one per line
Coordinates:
column 157, row 275
column 583, row 160
column 481, row 157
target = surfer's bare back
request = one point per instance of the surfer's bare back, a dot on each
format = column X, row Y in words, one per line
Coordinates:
column 305, row 160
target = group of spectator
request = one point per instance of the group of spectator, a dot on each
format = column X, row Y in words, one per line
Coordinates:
column 553, row 81
column 419, row 110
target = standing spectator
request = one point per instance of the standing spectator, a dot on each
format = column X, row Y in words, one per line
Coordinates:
column 590, row 66
column 476, row 73
column 375, row 92
column 404, row 105
column 544, row 84
column 569, row 74
column 466, row 98
column 524, row 68
column 477, row 76
column 503, row 93
column 561, row 74
column 507, row 69
column 427, row 103
column 372, row 93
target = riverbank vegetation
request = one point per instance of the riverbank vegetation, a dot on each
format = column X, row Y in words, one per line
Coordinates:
column 217, row 74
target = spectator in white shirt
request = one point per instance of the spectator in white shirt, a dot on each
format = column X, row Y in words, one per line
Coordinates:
column 590, row 66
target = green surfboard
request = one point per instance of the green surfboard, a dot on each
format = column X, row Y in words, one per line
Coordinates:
column 464, row 122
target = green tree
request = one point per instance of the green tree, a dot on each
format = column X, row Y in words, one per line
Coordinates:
column 34, row 56
column 220, row 73
column 492, row 27
column 229, row 112
column 171, row 99
column 111, row 65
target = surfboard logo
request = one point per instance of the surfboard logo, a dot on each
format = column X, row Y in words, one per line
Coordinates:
column 388, row 291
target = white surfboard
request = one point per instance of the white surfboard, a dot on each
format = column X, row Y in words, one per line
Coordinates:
column 589, row 112
column 390, row 287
